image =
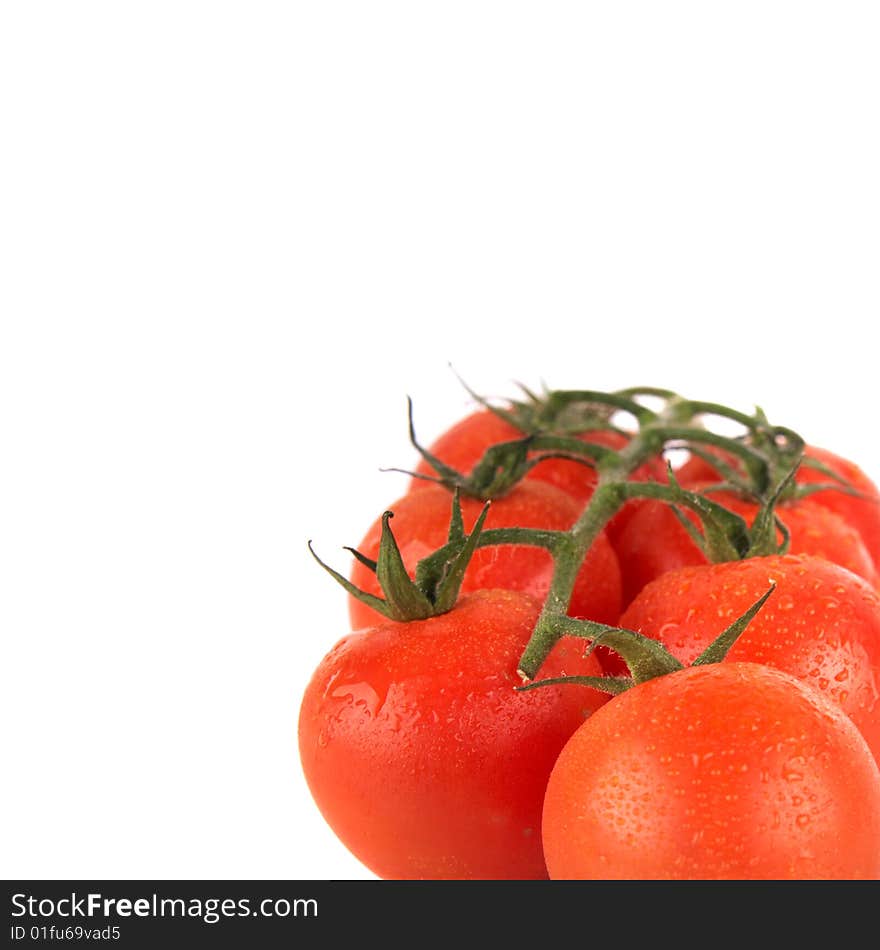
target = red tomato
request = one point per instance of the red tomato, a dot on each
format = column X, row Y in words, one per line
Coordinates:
column 420, row 753
column 821, row 625
column 464, row 444
column 862, row 511
column 727, row 771
column 421, row 523
column 654, row 541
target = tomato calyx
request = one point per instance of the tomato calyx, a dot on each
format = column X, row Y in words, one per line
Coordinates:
column 544, row 413
column 837, row 481
column 505, row 464
column 645, row 658
column 725, row 535
column 436, row 582
column 438, row 577
column 759, row 540
column 760, row 462
column 733, row 479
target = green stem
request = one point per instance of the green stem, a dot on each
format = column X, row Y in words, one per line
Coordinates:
column 569, row 555
column 608, row 498
column 694, row 407
column 555, row 401
column 536, row 537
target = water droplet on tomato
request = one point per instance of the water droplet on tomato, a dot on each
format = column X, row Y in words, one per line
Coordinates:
column 360, row 694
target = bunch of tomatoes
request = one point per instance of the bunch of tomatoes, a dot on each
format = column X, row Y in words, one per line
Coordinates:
column 572, row 658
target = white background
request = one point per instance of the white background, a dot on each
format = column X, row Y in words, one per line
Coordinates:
column 234, row 236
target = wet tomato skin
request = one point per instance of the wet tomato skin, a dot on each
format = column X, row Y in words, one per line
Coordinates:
column 421, row 524
column 421, row 755
column 728, row 771
column 821, row 625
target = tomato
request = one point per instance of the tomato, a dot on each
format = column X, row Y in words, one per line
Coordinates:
column 421, row 523
column 422, row 756
column 725, row 771
column 821, row 625
column 464, row 444
column 861, row 511
column 653, row 541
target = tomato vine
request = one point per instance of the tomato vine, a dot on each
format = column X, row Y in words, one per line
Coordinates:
column 768, row 456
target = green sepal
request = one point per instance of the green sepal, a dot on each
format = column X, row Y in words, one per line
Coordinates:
column 764, row 527
column 811, row 488
column 724, row 538
column 456, row 533
column 820, row 466
column 441, row 574
column 761, row 536
column 368, row 562
column 837, row 483
column 503, row 465
column 371, row 600
column 692, row 530
column 725, row 534
column 721, row 646
column 438, row 577
column 445, row 473
column 520, row 414
column 403, row 596
column 543, row 413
